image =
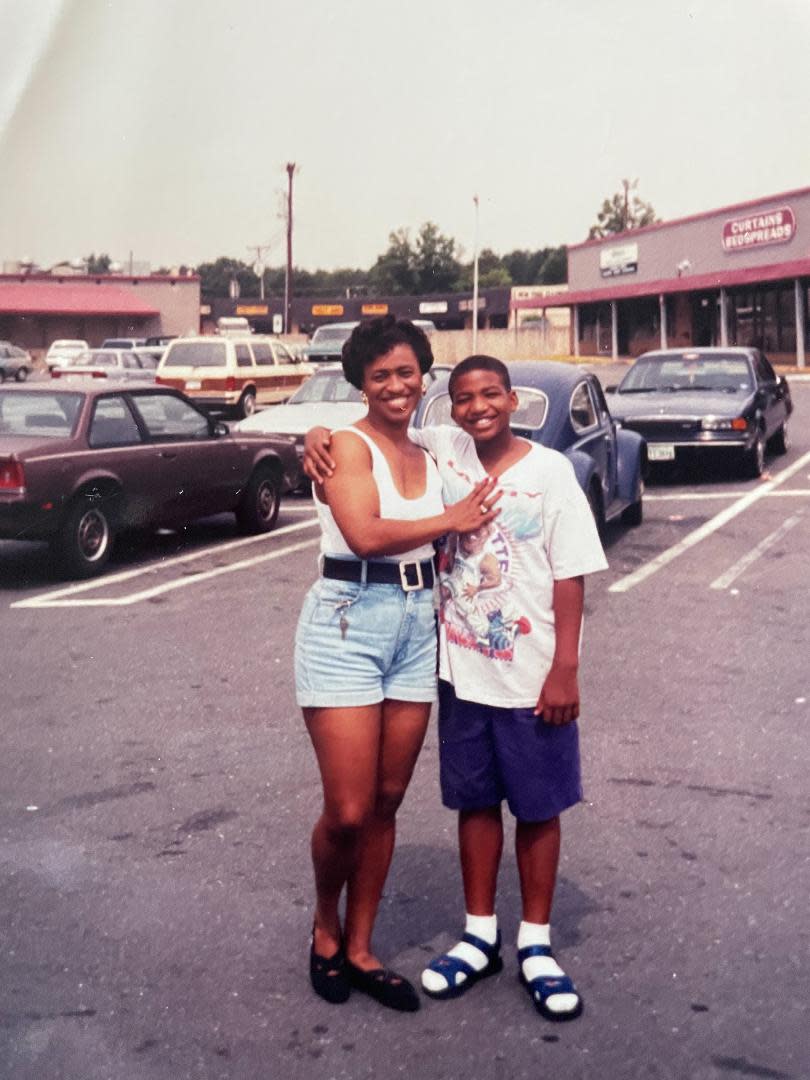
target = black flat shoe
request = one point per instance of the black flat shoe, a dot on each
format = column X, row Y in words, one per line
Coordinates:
column 390, row 989
column 328, row 976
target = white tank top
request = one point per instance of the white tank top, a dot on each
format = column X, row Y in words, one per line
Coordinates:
column 392, row 505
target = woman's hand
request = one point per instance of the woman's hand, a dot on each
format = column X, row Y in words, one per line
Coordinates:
column 477, row 509
column 318, row 463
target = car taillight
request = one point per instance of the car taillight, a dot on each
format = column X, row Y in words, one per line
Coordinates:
column 99, row 374
column 739, row 423
column 12, row 476
column 230, row 383
column 56, row 373
column 158, row 380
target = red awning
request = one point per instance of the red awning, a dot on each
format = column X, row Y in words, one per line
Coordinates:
column 48, row 298
column 723, row 279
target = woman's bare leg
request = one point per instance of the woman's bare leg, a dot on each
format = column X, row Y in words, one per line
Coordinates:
column 403, row 731
column 347, row 745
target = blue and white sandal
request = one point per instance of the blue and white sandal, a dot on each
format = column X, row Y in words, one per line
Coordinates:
column 450, row 966
column 543, row 987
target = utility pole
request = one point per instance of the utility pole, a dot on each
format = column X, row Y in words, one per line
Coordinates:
column 288, row 273
column 475, row 283
column 258, row 265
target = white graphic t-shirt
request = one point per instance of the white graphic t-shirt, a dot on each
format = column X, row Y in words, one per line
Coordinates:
column 497, row 620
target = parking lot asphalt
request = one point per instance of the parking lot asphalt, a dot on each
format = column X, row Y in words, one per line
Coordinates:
column 157, row 790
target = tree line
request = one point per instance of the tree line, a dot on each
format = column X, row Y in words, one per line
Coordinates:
column 426, row 263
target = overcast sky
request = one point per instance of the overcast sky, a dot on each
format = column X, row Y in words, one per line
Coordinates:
column 162, row 127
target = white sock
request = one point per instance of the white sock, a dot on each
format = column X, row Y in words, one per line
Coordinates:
column 482, row 926
column 546, row 966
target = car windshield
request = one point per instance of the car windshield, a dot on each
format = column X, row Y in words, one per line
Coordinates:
column 730, row 374
column 51, row 415
column 331, row 387
column 331, row 333
column 196, row 354
column 531, row 412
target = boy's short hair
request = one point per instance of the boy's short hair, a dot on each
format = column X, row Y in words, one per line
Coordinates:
column 479, row 363
column 373, row 338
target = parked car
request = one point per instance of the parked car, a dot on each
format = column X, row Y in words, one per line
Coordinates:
column 149, row 355
column 326, row 399
column 106, row 364
column 326, row 344
column 122, row 342
column 563, row 407
column 81, row 462
column 231, row 374
column 15, row 363
column 717, row 400
column 159, row 339
column 63, row 350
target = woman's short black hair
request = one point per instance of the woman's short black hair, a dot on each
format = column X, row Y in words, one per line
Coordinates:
column 479, row 363
column 376, row 337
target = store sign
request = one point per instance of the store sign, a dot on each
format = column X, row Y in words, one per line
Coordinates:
column 327, row 309
column 374, row 309
column 759, row 230
column 433, row 307
column 622, row 259
column 467, row 305
column 252, row 309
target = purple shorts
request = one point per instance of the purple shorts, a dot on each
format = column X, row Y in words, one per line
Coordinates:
column 487, row 754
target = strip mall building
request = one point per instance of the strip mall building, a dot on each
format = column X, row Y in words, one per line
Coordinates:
column 734, row 276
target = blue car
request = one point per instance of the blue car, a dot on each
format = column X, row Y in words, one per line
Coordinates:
column 563, row 407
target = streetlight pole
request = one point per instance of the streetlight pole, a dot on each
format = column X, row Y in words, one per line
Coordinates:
column 288, row 271
column 475, row 282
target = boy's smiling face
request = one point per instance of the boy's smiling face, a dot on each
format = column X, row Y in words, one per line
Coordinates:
column 482, row 406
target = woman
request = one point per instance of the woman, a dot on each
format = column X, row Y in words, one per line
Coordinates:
column 365, row 653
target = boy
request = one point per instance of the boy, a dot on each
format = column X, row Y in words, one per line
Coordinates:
column 510, row 622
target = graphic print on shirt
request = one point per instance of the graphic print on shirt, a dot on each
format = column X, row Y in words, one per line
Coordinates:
column 480, row 602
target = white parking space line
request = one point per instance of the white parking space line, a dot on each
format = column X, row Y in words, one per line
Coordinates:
column 751, row 556
column 629, row 581
column 50, row 599
column 47, row 600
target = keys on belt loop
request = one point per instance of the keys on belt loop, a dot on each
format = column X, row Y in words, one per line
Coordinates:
column 403, row 576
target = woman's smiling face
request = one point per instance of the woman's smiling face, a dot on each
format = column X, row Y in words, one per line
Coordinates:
column 393, row 384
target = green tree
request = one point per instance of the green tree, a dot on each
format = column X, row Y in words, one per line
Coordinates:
column 435, row 263
column 393, row 273
column 216, row 277
column 98, row 264
column 621, row 212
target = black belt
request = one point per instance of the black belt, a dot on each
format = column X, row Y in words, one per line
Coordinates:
column 408, row 575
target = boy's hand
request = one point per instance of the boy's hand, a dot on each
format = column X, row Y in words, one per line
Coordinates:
column 559, row 699
column 318, row 463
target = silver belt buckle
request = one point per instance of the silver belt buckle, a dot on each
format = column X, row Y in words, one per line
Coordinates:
column 403, row 576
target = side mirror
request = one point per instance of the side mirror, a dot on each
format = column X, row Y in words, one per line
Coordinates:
column 219, row 428
column 611, row 389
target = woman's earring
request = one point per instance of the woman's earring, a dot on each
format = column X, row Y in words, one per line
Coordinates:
column 364, row 397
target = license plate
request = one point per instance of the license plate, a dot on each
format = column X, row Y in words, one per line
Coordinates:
column 193, row 384
column 661, row 451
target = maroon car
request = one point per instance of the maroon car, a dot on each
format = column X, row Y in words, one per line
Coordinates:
column 79, row 465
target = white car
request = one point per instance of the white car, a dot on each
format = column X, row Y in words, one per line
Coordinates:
column 62, row 352
column 326, row 399
column 105, row 364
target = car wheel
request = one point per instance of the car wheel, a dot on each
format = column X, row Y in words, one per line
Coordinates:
column 86, row 538
column 247, row 404
column 633, row 515
column 22, row 374
column 754, row 459
column 780, row 441
column 594, row 496
column 259, row 505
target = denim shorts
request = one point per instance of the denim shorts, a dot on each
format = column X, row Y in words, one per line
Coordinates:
column 487, row 754
column 385, row 649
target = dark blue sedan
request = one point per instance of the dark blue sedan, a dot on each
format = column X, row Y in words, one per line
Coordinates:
column 563, row 407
